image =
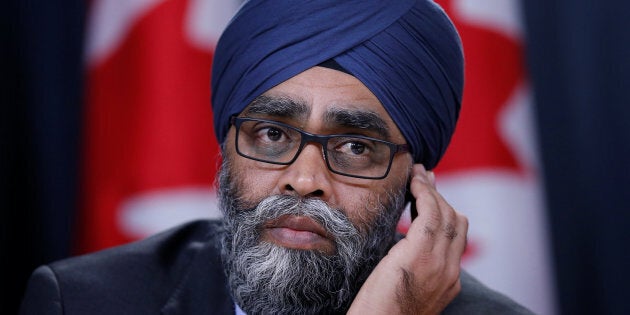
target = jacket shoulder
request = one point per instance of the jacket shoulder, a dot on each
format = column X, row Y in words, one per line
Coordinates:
column 138, row 277
column 476, row 298
column 43, row 295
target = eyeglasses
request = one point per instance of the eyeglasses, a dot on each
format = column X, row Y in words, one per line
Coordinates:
column 349, row 155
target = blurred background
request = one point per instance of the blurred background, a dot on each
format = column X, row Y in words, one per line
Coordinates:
column 106, row 138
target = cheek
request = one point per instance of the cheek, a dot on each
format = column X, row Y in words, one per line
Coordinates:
column 363, row 205
column 362, row 211
column 254, row 183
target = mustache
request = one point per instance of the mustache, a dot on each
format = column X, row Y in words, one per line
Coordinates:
column 333, row 220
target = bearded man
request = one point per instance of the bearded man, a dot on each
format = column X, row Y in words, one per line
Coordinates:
column 329, row 114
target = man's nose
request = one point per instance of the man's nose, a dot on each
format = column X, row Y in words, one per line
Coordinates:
column 308, row 175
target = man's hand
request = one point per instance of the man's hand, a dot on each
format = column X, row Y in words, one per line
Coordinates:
column 420, row 274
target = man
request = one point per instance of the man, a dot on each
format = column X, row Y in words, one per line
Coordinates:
column 329, row 114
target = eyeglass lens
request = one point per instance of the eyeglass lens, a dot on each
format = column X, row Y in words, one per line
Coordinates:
column 277, row 143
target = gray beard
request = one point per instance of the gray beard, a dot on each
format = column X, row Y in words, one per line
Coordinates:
column 265, row 278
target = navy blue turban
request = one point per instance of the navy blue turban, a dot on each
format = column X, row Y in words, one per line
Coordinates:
column 407, row 52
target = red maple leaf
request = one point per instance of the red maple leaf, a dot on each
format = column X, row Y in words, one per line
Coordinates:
column 148, row 113
column 493, row 70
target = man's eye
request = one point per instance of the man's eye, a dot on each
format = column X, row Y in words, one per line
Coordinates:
column 357, row 148
column 274, row 134
column 271, row 134
column 354, row 148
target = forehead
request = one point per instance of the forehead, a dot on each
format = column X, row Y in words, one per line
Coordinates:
column 321, row 96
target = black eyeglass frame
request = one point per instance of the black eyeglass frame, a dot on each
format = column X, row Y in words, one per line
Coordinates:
column 306, row 137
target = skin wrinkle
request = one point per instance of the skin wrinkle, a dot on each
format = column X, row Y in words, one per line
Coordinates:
column 430, row 232
column 357, row 119
column 406, row 293
column 278, row 106
column 450, row 231
column 287, row 107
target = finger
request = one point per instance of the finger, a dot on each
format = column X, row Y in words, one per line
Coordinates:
column 441, row 229
column 454, row 228
column 437, row 219
column 460, row 241
column 424, row 229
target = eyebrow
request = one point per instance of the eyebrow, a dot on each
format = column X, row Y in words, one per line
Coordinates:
column 357, row 119
column 278, row 106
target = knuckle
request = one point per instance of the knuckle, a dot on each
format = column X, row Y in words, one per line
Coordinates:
column 428, row 231
column 450, row 231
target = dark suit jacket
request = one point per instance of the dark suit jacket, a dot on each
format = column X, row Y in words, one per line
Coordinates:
column 176, row 272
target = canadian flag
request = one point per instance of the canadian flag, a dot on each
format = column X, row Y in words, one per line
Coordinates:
column 490, row 172
column 150, row 155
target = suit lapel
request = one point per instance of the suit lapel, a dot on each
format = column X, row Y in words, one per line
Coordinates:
column 203, row 287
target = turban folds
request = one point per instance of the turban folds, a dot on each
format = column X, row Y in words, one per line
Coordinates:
column 407, row 52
